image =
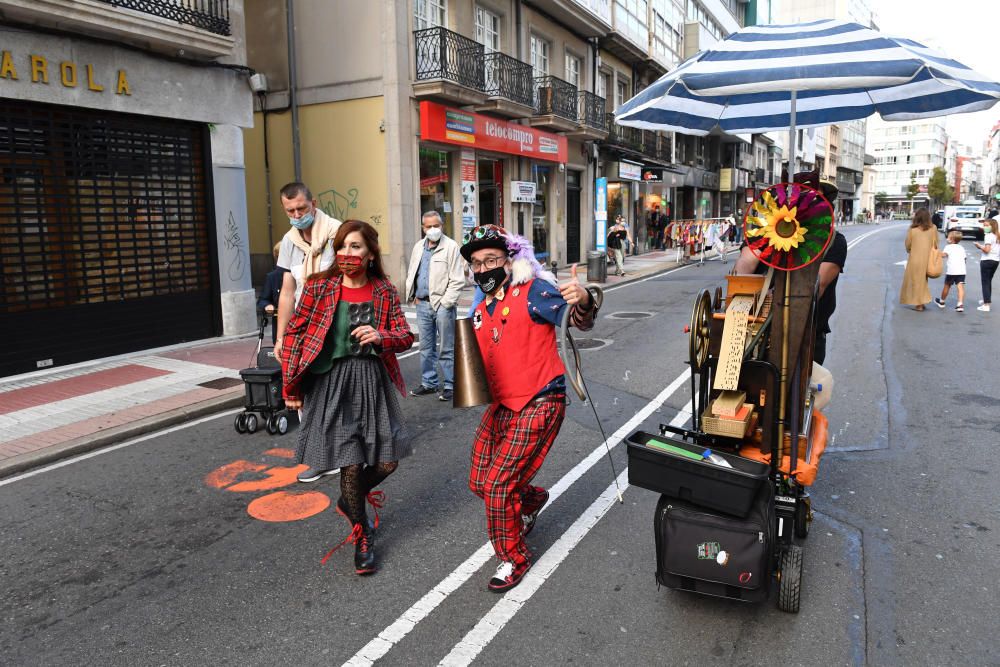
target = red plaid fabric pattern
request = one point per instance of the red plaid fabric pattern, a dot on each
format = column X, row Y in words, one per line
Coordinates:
column 313, row 318
column 509, row 449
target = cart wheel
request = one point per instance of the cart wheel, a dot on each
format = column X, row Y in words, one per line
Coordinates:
column 790, row 579
column 251, row 423
column 272, row 427
column 698, row 333
column 803, row 517
column 241, row 423
column 282, row 423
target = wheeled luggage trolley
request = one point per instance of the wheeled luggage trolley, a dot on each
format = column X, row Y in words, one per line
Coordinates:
column 263, row 404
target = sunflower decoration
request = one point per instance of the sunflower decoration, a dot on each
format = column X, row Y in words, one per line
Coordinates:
column 789, row 226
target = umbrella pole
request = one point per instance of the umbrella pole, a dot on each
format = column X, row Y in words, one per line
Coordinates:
column 791, row 138
column 783, row 391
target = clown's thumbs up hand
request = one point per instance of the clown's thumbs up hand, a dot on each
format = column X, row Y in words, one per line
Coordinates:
column 572, row 291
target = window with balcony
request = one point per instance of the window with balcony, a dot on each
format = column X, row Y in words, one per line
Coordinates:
column 488, row 29
column 573, row 70
column 539, row 56
column 603, row 84
column 621, row 93
column 429, row 14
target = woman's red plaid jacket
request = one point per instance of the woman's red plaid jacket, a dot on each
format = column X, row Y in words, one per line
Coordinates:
column 306, row 332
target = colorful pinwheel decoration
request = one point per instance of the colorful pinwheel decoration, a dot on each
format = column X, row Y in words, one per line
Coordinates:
column 789, row 226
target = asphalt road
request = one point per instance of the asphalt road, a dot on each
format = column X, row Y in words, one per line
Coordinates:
column 131, row 556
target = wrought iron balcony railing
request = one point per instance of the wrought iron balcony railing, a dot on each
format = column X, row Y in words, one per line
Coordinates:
column 555, row 97
column 508, row 78
column 626, row 137
column 210, row 15
column 592, row 112
column 443, row 54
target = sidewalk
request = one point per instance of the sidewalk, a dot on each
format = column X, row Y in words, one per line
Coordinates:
column 56, row 413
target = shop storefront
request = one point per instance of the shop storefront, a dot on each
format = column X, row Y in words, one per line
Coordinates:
column 122, row 210
column 485, row 151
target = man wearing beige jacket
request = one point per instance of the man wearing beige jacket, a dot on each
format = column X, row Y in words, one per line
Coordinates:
column 434, row 281
column 306, row 248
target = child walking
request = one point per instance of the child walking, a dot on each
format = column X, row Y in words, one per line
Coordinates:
column 954, row 270
column 988, row 264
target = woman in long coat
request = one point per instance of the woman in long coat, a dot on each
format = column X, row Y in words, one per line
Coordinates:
column 920, row 238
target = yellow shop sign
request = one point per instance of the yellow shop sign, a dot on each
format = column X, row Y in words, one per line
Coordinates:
column 69, row 74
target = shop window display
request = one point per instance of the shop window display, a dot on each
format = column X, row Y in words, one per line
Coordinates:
column 434, row 181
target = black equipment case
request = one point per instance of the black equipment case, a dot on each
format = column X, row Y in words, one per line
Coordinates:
column 730, row 490
column 711, row 553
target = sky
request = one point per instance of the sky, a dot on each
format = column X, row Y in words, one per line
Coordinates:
column 967, row 31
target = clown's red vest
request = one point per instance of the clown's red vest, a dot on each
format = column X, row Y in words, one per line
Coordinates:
column 520, row 355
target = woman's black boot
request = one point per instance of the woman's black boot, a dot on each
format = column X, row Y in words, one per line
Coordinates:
column 364, row 550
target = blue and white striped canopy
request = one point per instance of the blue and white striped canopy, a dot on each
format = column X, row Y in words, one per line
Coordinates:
column 839, row 71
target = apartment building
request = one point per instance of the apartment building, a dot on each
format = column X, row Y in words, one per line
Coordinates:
column 991, row 166
column 122, row 196
column 906, row 153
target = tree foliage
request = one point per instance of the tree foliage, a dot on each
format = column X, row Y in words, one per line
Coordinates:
column 938, row 188
column 913, row 189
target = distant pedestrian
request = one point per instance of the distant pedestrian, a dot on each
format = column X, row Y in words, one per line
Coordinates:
column 921, row 238
column 988, row 262
column 434, row 280
column 268, row 301
column 617, row 237
column 339, row 365
column 954, row 270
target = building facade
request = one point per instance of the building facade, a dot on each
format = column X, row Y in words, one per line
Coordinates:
column 487, row 111
column 122, row 197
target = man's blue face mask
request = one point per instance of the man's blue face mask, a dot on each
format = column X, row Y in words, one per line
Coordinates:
column 305, row 222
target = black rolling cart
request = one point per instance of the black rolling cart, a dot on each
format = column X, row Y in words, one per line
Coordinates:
column 263, row 404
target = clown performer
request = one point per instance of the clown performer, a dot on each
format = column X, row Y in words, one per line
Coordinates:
column 515, row 328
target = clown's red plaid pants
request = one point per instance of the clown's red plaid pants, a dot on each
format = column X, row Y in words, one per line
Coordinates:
column 509, row 449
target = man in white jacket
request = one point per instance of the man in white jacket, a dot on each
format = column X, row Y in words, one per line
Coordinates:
column 434, row 280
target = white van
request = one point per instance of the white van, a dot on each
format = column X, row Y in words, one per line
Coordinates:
column 965, row 218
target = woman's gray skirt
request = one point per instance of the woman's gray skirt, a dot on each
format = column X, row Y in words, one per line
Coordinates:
column 351, row 415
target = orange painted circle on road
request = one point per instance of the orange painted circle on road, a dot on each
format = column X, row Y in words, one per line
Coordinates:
column 273, row 478
column 225, row 475
column 288, row 506
column 281, row 453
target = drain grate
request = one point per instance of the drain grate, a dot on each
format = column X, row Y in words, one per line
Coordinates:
column 221, row 383
column 640, row 315
column 590, row 343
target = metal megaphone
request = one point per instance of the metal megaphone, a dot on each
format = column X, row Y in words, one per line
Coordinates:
column 471, row 386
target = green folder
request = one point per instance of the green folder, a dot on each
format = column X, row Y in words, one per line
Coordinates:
column 673, row 449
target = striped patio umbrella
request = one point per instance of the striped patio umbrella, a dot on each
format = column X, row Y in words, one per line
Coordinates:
column 767, row 78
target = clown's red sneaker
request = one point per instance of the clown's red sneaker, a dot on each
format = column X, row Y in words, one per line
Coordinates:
column 528, row 518
column 507, row 576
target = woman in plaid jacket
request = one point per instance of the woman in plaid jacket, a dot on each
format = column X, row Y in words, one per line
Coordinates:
column 339, row 365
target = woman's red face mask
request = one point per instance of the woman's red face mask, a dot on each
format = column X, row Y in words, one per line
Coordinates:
column 350, row 265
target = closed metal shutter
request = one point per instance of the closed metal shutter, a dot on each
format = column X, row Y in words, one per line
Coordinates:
column 106, row 234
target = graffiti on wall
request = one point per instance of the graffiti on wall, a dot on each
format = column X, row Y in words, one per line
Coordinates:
column 346, row 204
column 237, row 255
column 338, row 204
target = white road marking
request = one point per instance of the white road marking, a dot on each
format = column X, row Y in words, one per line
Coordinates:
column 422, row 608
column 490, row 625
